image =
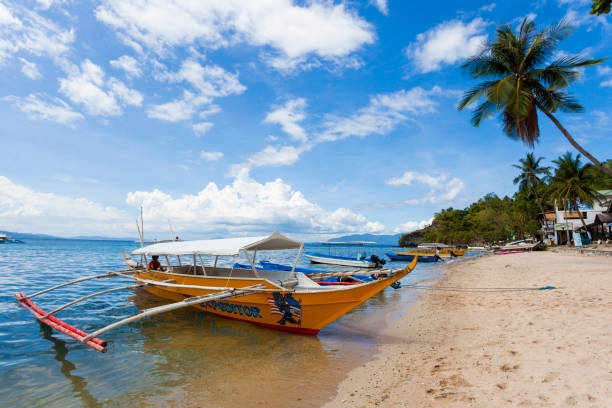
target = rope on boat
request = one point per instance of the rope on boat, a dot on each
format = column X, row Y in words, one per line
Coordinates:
column 464, row 289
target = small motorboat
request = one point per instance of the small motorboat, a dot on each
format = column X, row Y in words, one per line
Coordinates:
column 408, row 256
column 358, row 258
column 5, row 239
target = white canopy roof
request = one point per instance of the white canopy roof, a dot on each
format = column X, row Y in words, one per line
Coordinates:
column 220, row 247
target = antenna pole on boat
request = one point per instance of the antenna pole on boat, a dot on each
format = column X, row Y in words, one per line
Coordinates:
column 297, row 258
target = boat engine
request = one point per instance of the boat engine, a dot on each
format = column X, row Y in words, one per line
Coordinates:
column 378, row 262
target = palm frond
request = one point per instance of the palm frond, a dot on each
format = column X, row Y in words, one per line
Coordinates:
column 483, row 111
column 474, row 94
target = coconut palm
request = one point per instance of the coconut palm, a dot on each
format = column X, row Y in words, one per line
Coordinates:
column 574, row 183
column 600, row 7
column 532, row 175
column 519, row 84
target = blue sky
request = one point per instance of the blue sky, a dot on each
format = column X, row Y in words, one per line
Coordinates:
column 316, row 118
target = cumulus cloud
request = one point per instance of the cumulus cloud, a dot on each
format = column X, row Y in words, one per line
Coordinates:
column 321, row 29
column 43, row 107
column 23, row 30
column 442, row 188
column 381, row 5
column 271, row 156
column 130, row 65
column 288, row 117
column 24, row 209
column 210, row 156
column 207, row 82
column 447, row 43
column 29, row 69
column 409, row 226
column 87, row 86
column 246, row 204
column 201, row 128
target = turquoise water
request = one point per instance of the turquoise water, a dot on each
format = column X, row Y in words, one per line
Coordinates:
column 185, row 357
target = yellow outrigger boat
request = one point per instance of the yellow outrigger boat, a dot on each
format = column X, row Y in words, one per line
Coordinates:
column 440, row 252
column 283, row 300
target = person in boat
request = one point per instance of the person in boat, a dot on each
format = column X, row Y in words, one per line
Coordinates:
column 154, row 265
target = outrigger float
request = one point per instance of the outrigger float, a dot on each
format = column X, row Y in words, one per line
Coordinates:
column 278, row 299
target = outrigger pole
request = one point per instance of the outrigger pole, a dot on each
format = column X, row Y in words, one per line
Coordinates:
column 93, row 341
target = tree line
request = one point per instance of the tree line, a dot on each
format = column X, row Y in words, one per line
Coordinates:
column 492, row 219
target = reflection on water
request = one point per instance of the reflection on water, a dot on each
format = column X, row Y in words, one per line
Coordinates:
column 186, row 356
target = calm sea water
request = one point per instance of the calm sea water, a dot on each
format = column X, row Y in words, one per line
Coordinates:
column 185, row 357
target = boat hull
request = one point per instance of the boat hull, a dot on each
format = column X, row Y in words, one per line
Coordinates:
column 410, row 257
column 358, row 263
column 304, row 312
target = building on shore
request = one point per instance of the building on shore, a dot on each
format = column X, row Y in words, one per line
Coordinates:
column 563, row 225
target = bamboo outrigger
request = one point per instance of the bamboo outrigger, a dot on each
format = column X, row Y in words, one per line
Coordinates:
column 283, row 300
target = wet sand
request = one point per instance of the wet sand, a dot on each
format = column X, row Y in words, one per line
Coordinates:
column 549, row 348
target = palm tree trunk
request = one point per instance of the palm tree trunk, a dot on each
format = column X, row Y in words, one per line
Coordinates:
column 538, row 201
column 570, row 139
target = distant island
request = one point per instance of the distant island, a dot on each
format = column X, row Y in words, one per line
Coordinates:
column 25, row 235
column 391, row 240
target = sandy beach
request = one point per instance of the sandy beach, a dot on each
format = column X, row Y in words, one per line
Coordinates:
column 548, row 348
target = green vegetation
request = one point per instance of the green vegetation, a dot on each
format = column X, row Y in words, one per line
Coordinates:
column 600, row 7
column 492, row 219
column 519, row 85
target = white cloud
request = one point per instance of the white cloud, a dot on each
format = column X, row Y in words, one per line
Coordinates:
column 45, row 4
column 29, row 69
column 487, row 7
column 23, row 30
column 270, row 156
column 130, row 65
column 210, row 156
column 87, row 86
column 23, row 209
column 247, row 205
column 201, row 128
column 607, row 83
column 52, row 110
column 123, row 93
column 208, row 82
column 293, row 32
column 7, row 18
column 288, row 117
column 381, row 5
column 383, row 113
column 447, row 43
column 442, row 187
column 177, row 110
column 409, row 226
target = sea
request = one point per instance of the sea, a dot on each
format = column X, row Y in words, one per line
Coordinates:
column 182, row 358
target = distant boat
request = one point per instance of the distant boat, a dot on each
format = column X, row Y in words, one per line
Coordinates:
column 158, row 241
column 359, row 260
column 440, row 249
column 5, row 239
column 409, row 256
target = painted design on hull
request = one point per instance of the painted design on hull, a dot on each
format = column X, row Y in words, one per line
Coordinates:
column 287, row 307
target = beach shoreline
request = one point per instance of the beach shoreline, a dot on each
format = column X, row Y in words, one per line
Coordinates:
column 497, row 348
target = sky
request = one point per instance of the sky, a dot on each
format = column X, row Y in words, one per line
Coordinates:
column 225, row 118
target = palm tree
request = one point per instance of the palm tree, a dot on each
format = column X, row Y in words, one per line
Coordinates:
column 574, row 183
column 519, row 85
column 531, row 175
column 600, row 7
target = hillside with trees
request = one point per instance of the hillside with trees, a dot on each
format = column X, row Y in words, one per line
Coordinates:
column 492, row 219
